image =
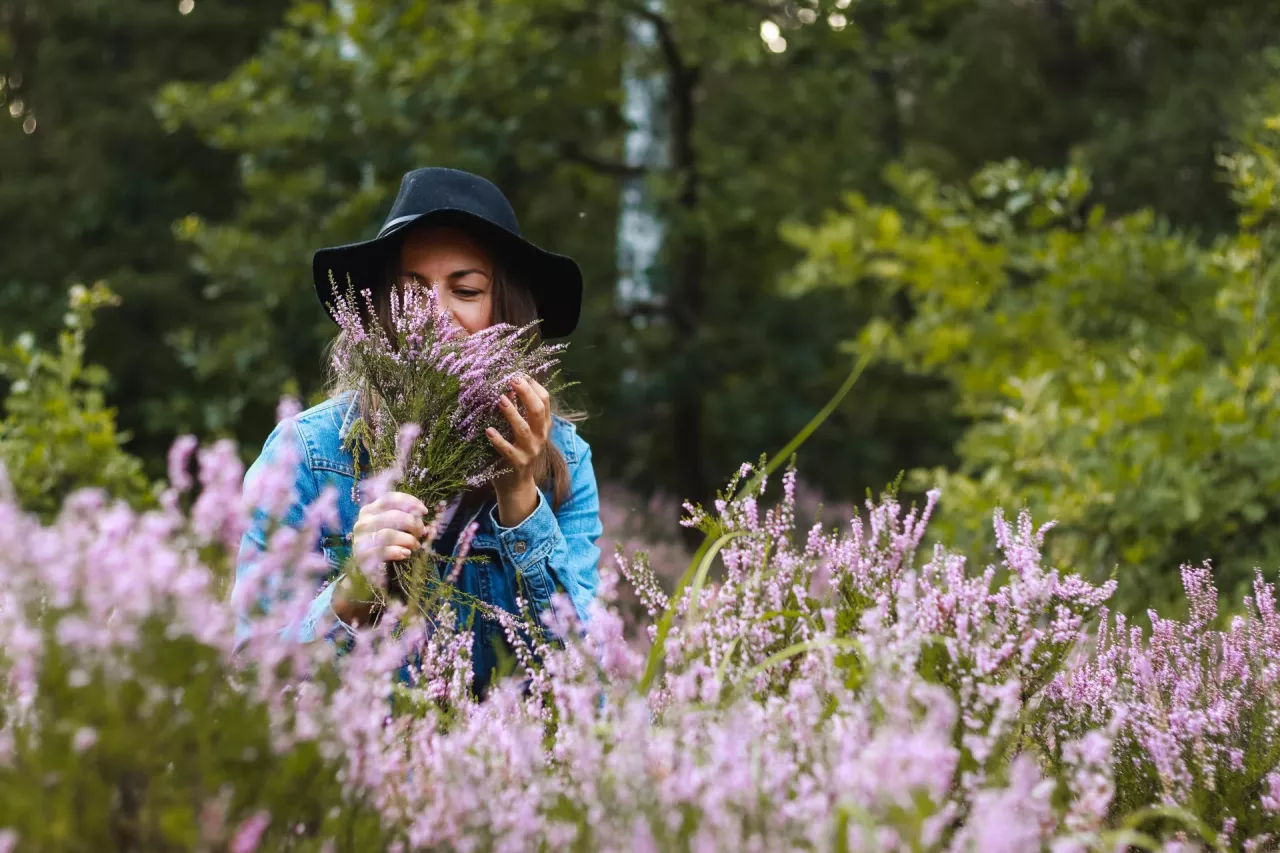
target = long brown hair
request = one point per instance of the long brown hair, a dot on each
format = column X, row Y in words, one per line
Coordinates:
column 512, row 303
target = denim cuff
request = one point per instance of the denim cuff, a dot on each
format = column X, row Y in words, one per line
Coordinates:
column 526, row 547
column 322, row 620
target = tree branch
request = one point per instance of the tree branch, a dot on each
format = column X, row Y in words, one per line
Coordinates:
column 648, row 308
column 572, row 151
column 666, row 40
column 761, row 7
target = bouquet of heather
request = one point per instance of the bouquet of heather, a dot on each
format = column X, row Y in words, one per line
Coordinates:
column 428, row 391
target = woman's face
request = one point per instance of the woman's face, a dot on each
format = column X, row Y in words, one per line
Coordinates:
column 455, row 265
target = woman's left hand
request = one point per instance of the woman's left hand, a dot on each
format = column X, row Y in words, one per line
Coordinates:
column 517, row 490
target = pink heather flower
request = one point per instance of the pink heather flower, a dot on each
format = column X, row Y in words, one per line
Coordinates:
column 465, row 539
column 1013, row 819
column 180, row 461
column 83, row 739
column 8, row 840
column 287, row 409
column 213, row 817
column 405, row 437
column 218, row 512
column 739, row 743
column 1271, row 799
column 249, row 835
column 374, row 487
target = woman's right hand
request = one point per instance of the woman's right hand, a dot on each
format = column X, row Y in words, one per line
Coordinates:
column 387, row 530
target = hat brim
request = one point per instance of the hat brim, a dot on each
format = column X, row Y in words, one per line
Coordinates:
column 555, row 280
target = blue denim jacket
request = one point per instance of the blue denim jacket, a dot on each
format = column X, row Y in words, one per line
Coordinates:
column 548, row 552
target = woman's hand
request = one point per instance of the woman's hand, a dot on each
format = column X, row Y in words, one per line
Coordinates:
column 387, row 530
column 517, row 491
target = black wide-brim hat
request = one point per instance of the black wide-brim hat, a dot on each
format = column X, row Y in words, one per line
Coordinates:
column 450, row 196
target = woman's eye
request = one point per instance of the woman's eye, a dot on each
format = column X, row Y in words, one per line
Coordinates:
column 466, row 293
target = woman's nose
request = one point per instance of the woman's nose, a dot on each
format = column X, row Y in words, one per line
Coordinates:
column 447, row 304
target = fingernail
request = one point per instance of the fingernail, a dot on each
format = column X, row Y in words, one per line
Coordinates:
column 503, row 401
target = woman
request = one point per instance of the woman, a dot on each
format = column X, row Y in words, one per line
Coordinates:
column 538, row 524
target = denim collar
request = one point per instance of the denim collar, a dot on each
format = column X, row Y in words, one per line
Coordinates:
column 349, row 417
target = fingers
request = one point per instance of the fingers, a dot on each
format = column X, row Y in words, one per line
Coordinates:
column 389, row 554
column 388, row 539
column 370, row 522
column 537, row 404
column 519, row 426
column 394, row 519
column 509, row 451
column 399, row 501
column 529, row 431
column 390, row 529
column 386, row 545
column 348, row 610
column 543, row 394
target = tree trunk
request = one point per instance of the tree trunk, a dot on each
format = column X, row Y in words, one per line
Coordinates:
column 687, row 297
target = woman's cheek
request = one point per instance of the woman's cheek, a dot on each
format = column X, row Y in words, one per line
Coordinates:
column 478, row 316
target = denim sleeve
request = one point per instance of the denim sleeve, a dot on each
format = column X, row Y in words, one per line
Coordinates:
column 556, row 551
column 319, row 618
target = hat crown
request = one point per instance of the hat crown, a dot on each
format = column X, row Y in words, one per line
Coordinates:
column 437, row 189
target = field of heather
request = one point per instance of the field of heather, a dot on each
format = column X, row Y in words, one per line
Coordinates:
column 832, row 687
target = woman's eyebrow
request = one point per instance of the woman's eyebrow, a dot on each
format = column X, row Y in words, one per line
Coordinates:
column 453, row 276
column 457, row 274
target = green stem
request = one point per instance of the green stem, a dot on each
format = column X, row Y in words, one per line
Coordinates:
column 712, row 543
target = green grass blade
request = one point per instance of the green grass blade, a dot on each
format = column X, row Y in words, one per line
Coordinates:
column 654, row 661
column 1181, row 815
column 846, row 643
column 816, row 421
column 704, row 567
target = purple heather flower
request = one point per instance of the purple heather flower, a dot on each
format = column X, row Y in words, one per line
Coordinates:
column 249, row 835
column 84, row 738
column 179, row 462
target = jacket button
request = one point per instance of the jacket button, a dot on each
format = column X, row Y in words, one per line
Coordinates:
column 520, row 547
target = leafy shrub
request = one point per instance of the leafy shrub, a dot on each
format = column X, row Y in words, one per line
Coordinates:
column 58, row 434
column 1118, row 375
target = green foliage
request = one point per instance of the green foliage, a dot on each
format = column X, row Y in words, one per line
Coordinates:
column 1119, row 374
column 93, row 191
column 319, row 112
column 58, row 434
